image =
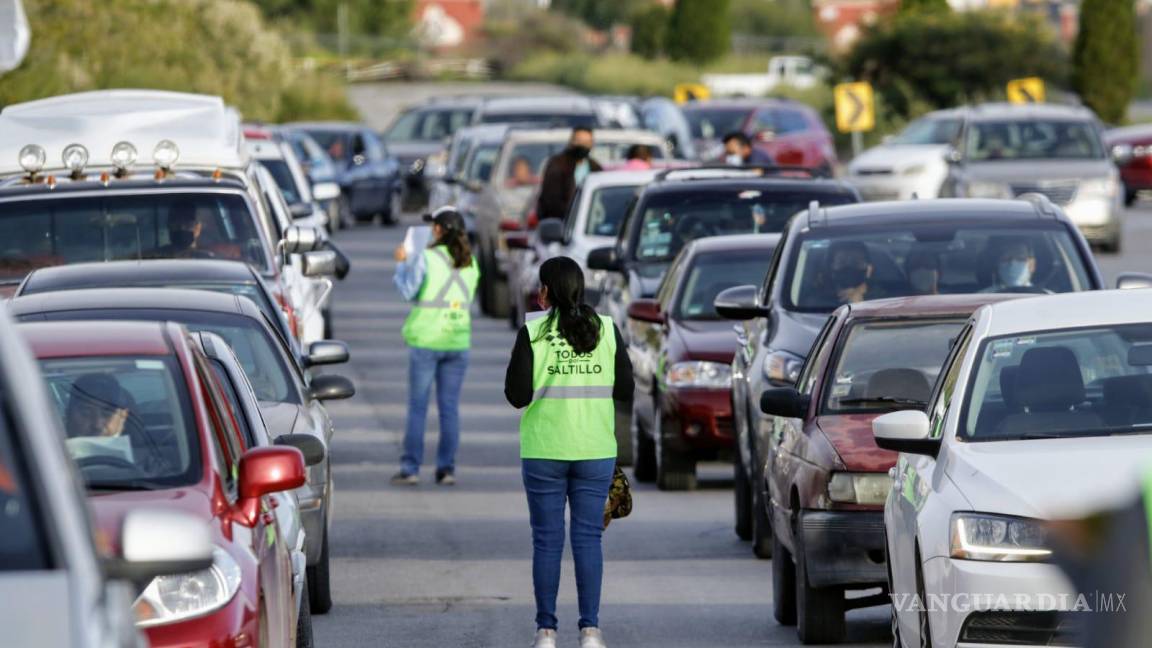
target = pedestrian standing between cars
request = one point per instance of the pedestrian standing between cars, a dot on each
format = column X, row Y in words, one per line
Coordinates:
column 564, row 172
column 442, row 282
column 638, row 158
column 566, row 369
column 738, row 151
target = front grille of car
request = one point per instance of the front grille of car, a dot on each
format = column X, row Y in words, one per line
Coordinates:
column 1021, row 628
column 1061, row 193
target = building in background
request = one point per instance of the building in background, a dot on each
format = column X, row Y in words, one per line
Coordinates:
column 448, row 25
column 842, row 21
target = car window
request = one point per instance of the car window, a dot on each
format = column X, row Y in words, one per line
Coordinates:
column 526, row 162
column 616, row 152
column 1032, row 140
column 335, row 143
column 843, row 265
column 429, row 125
column 715, row 123
column 669, row 220
column 888, row 365
column 806, row 379
column 668, row 283
column 128, row 420
column 928, row 131
column 374, row 147
column 481, row 163
column 606, row 209
column 23, row 545
column 229, row 392
column 714, row 272
column 945, row 388
column 458, row 155
column 359, row 147
column 789, row 121
column 224, row 424
column 1062, row 383
column 282, row 174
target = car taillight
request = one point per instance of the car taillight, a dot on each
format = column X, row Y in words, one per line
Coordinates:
column 532, row 220
column 289, row 312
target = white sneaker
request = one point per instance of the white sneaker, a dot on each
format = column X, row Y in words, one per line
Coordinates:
column 545, row 639
column 591, row 638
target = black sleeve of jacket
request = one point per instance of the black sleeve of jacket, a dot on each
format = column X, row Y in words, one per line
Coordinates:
column 518, row 378
column 555, row 189
column 623, row 390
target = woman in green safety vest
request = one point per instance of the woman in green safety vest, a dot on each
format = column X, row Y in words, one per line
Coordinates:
column 442, row 282
column 566, row 369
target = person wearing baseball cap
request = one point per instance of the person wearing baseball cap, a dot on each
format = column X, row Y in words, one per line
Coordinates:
column 441, row 283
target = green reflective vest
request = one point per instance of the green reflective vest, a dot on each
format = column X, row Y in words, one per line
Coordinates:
column 571, row 416
column 442, row 317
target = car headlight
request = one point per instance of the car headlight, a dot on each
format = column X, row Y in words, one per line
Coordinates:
column 988, row 190
column 859, row 488
column 915, row 169
column 699, row 374
column 1106, row 186
column 169, row 599
column 782, row 367
column 1001, row 538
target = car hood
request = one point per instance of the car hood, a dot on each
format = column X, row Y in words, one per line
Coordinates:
column 795, row 331
column 109, row 509
column 1049, row 478
column 283, row 418
column 851, row 437
column 1031, row 171
column 713, row 341
column 895, row 157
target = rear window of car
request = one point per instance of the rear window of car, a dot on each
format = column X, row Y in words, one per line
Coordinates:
column 428, row 125
column 714, row 123
column 1033, row 140
column 714, row 272
column 670, row 219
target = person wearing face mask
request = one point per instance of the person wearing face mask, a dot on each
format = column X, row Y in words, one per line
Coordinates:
column 564, row 172
column 850, row 268
column 923, row 271
column 184, row 229
column 738, row 151
column 1015, row 267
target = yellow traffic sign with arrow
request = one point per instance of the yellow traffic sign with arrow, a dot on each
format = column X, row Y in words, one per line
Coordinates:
column 685, row 92
column 1026, row 91
column 855, row 107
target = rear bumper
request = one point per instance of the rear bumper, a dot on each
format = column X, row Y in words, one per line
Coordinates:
column 704, row 417
column 844, row 547
column 1136, row 179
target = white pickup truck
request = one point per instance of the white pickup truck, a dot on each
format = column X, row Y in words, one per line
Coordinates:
column 793, row 71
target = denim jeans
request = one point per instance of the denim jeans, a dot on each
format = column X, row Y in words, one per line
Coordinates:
column 446, row 369
column 584, row 486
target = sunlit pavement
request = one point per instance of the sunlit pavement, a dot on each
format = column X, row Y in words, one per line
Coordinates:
column 445, row 567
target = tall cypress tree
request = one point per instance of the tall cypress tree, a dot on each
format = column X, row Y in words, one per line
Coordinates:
column 1106, row 57
column 699, row 30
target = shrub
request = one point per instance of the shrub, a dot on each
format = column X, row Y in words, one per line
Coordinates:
column 1106, row 57
column 699, row 31
column 650, row 31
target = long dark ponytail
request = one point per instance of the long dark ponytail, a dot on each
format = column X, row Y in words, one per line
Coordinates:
column 576, row 321
column 458, row 248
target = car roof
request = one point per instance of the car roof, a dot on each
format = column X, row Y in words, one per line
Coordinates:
column 99, row 338
column 483, row 132
column 559, row 104
column 134, row 299
column 441, row 102
column 17, row 187
column 129, row 273
column 925, row 305
column 611, row 136
column 736, row 103
column 958, row 209
column 336, row 126
column 734, row 242
column 1067, row 311
column 705, row 185
column 1009, row 111
column 205, row 129
column 619, row 178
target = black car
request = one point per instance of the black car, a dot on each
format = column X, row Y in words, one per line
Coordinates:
column 423, row 131
column 370, row 177
column 883, row 248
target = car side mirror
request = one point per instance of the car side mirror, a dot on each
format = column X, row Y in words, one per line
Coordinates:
column 298, row 239
column 953, row 155
column 318, row 263
column 785, row 402
column 156, row 542
column 312, row 448
column 359, row 159
column 326, row 191
column 267, row 470
column 646, row 310
column 550, row 230
column 604, row 258
column 739, row 303
column 1130, row 280
column 326, row 352
column 905, row 431
column 330, row 387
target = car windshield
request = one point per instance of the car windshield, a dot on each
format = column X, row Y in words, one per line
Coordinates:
column 428, row 125
column 526, row 162
column 670, row 219
column 1033, row 140
column 714, row 123
column 1062, row 383
column 128, row 420
column 616, row 152
column 22, row 545
column 283, row 176
column 714, row 272
column 334, row 142
column 606, row 209
column 925, row 258
column 65, row 229
column 481, row 162
column 887, row 365
column 543, row 119
column 929, row 130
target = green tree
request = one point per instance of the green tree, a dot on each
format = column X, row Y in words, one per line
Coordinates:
column 937, row 60
column 1105, row 59
column 779, row 18
column 699, row 30
column 650, row 31
column 909, row 6
column 600, row 14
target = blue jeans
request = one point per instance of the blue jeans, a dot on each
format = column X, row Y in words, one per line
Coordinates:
column 584, row 486
column 447, row 369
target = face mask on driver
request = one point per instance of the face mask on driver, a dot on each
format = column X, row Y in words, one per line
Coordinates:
column 1014, row 273
column 579, row 152
column 849, row 276
column 734, row 160
column 923, row 280
column 182, row 238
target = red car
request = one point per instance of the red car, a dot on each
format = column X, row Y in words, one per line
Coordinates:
column 681, row 352
column 825, row 478
column 1131, row 148
column 790, row 132
column 149, row 425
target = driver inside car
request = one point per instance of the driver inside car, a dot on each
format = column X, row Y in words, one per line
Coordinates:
column 1015, row 266
column 97, row 407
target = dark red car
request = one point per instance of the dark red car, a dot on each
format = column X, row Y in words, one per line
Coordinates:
column 1131, row 148
column 825, row 479
column 149, row 425
column 790, row 132
column 681, row 352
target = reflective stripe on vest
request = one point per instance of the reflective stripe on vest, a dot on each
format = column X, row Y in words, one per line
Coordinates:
column 454, row 279
column 573, row 391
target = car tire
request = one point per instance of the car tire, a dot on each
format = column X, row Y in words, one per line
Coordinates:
column 741, row 499
column 761, row 524
column 1130, row 197
column 395, row 209
column 675, row 470
column 783, row 584
column 498, row 299
column 304, row 637
column 1112, row 245
column 319, row 586
column 643, row 453
column 819, row 610
column 624, row 449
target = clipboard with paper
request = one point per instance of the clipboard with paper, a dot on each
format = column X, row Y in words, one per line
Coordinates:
column 416, row 240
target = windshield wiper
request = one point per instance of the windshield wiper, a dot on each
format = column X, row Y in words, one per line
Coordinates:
column 886, row 400
column 138, row 485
